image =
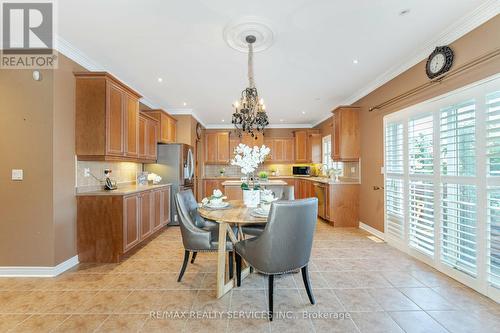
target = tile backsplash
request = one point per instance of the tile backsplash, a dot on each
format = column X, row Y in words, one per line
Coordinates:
column 122, row 172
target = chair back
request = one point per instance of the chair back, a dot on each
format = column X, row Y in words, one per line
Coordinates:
column 286, row 241
column 282, row 192
column 187, row 215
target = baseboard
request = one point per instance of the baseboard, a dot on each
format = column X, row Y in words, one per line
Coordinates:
column 33, row 271
column 371, row 230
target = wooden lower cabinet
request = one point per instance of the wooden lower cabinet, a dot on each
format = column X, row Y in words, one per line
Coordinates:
column 343, row 205
column 110, row 225
column 233, row 192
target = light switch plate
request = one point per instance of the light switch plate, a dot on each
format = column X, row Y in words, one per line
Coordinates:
column 353, row 169
column 382, row 170
column 86, row 172
column 17, row 174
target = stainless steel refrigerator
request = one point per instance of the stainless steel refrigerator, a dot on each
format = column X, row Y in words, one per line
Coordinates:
column 175, row 165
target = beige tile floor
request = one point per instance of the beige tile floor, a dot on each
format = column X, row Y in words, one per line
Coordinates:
column 360, row 286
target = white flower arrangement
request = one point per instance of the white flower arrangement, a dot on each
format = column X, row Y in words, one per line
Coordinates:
column 267, row 196
column 248, row 159
column 216, row 198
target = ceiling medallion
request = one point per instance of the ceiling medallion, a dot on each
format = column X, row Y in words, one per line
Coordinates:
column 250, row 112
column 236, row 32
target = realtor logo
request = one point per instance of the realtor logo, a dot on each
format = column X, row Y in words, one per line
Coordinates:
column 27, row 35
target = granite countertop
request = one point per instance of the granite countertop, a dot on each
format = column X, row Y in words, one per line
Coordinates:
column 269, row 182
column 322, row 180
column 122, row 190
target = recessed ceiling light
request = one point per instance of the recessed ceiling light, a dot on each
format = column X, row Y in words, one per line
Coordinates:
column 404, row 12
column 160, row 80
column 303, row 112
column 355, row 61
column 281, row 120
column 223, row 120
column 184, row 103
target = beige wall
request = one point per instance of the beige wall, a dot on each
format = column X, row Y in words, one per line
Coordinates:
column 38, row 214
column 476, row 43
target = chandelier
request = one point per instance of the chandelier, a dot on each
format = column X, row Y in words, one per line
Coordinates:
column 250, row 112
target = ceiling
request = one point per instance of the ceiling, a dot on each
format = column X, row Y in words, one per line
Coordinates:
column 307, row 71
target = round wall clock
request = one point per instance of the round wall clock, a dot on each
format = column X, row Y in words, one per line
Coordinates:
column 439, row 62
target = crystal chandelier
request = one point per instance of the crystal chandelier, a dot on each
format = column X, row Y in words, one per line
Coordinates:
column 250, row 112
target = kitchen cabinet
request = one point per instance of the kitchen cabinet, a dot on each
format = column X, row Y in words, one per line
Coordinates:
column 108, row 225
column 307, row 146
column 257, row 140
column 343, row 205
column 217, row 148
column 345, row 136
column 210, row 185
column 148, row 133
column 233, row 192
column 166, row 123
column 281, row 150
column 106, row 118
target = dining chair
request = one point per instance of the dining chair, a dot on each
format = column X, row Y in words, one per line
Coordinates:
column 197, row 234
column 280, row 192
column 284, row 246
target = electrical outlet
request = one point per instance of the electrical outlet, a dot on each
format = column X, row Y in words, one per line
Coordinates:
column 17, row 174
column 86, row 172
column 382, row 170
column 353, row 169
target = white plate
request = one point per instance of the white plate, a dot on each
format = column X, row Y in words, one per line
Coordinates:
column 261, row 212
column 222, row 205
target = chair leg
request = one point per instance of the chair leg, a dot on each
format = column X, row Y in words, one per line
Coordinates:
column 184, row 265
column 271, row 286
column 230, row 266
column 307, row 284
column 193, row 257
column 238, row 269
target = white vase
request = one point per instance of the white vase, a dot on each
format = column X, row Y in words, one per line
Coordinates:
column 251, row 198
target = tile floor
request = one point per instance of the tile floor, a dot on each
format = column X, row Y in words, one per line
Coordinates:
column 359, row 285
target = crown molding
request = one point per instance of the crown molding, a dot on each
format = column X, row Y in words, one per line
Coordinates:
column 231, row 126
column 464, row 25
column 186, row 111
column 78, row 56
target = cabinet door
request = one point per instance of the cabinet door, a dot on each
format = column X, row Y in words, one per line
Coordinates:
column 145, row 215
column 172, row 130
column 130, row 221
column 223, row 147
column 314, row 146
column 336, row 136
column 114, row 120
column 151, row 135
column 211, row 148
column 132, row 133
column 164, row 135
column 142, row 137
column 233, row 143
column 349, row 134
column 270, row 144
column 301, row 147
column 279, row 150
column 165, row 206
column 158, row 209
column 288, row 150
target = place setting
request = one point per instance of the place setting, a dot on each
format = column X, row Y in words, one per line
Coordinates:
column 215, row 201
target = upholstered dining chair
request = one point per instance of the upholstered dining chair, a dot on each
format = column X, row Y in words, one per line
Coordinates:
column 198, row 235
column 284, row 246
column 280, row 192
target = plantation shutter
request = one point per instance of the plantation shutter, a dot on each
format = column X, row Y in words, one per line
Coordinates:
column 459, row 227
column 494, row 236
column 493, row 133
column 421, row 224
column 420, row 145
column 457, row 140
column 394, row 168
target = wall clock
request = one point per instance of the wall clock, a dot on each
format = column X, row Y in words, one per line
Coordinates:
column 198, row 131
column 439, row 62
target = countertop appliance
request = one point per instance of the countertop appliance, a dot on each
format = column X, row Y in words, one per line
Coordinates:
column 175, row 165
column 301, row 170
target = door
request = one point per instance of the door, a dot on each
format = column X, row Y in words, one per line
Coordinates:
column 114, row 120
column 145, row 215
column 130, row 221
column 132, row 135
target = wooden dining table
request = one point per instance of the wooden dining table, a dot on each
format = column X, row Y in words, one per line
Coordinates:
column 237, row 214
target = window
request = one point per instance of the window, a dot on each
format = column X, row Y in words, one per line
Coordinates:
column 442, row 183
column 327, row 161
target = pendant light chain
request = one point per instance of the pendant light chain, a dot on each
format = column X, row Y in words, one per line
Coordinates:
column 250, row 66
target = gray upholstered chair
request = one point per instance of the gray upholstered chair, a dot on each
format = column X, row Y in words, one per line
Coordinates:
column 198, row 235
column 284, row 245
column 281, row 192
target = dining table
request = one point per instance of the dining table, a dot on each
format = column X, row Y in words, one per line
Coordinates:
column 235, row 214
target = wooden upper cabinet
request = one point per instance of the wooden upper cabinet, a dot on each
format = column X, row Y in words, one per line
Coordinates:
column 106, row 118
column 217, row 148
column 251, row 141
column 281, row 150
column 345, row 136
column 167, row 125
column 301, row 140
column 132, row 121
column 314, row 147
column 148, row 137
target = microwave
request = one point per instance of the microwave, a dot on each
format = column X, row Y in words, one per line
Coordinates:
column 301, row 170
